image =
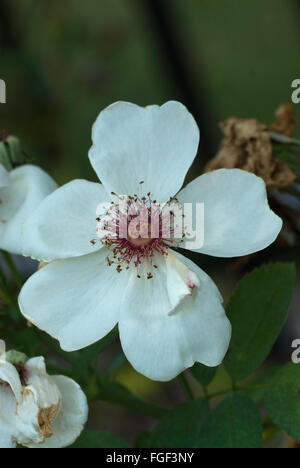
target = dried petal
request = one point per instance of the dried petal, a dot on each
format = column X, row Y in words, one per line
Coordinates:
column 286, row 120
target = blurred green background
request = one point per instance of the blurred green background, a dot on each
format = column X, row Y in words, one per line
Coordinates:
column 64, row 61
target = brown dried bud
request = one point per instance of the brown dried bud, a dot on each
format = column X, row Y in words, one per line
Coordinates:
column 247, row 145
column 286, row 120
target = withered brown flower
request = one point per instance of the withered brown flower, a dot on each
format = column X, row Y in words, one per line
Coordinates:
column 285, row 122
column 247, row 145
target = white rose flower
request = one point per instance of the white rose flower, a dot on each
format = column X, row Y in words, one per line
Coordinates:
column 21, row 191
column 38, row 410
column 169, row 311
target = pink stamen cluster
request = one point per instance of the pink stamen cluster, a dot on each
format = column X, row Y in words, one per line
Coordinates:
column 134, row 229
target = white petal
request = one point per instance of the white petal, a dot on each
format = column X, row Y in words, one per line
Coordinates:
column 40, row 404
column 30, row 185
column 5, row 180
column 64, row 224
column 7, row 418
column 9, row 374
column 30, row 426
column 76, row 301
column 45, row 390
column 73, row 414
column 181, row 281
column 238, row 220
column 154, row 144
column 161, row 345
column 27, row 420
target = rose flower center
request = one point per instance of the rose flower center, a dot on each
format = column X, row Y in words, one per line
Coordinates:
column 134, row 230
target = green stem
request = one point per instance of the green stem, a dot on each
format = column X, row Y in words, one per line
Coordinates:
column 220, row 393
column 239, row 388
column 205, row 392
column 186, row 387
column 233, row 385
column 10, row 263
column 278, row 137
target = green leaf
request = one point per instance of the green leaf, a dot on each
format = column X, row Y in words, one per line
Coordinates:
column 99, row 439
column 180, row 428
column 256, row 386
column 283, row 400
column 235, row 423
column 257, row 311
column 204, row 374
